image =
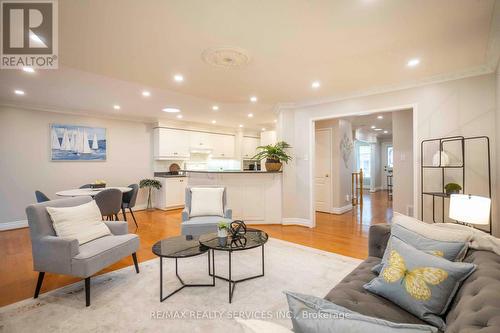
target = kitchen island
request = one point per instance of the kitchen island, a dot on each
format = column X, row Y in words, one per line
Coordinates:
column 254, row 196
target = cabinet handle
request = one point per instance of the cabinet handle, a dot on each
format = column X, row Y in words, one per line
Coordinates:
column 181, row 180
column 175, row 153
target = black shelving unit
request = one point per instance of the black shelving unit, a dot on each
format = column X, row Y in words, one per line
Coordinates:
column 442, row 196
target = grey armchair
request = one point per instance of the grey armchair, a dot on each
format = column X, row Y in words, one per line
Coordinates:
column 65, row 256
column 199, row 225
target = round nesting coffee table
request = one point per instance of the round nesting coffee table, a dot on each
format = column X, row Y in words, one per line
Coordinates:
column 253, row 238
column 178, row 248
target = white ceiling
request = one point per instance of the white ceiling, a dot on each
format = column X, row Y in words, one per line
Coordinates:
column 111, row 50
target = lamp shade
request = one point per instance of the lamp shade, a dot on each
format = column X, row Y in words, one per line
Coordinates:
column 470, row 209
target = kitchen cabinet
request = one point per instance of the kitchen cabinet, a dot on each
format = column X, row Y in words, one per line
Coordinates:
column 172, row 193
column 171, row 143
column 249, row 147
column 200, row 140
column 222, row 145
column 268, row 138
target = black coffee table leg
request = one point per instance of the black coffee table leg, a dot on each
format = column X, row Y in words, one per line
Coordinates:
column 232, row 283
column 183, row 285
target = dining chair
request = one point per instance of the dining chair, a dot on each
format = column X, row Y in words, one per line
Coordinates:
column 109, row 202
column 86, row 186
column 128, row 201
column 41, row 197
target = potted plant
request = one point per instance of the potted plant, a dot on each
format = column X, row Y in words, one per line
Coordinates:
column 150, row 184
column 274, row 155
column 452, row 188
column 222, row 229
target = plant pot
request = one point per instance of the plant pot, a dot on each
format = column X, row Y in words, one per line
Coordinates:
column 273, row 165
column 452, row 192
column 222, row 241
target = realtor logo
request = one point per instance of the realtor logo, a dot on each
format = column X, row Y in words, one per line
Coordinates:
column 29, row 34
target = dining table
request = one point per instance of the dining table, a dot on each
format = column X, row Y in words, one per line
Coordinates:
column 79, row 192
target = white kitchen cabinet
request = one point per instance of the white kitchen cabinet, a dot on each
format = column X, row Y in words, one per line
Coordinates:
column 171, row 143
column 249, row 147
column 200, row 140
column 172, row 193
column 222, row 145
column 268, row 138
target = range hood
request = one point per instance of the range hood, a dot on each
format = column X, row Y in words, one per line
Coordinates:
column 200, row 150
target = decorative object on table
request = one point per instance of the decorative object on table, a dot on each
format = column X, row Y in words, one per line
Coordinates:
column 445, row 159
column 274, row 155
column 470, row 209
column 452, row 188
column 150, row 184
column 237, row 229
column 77, row 143
column 98, row 184
column 222, row 233
column 346, row 147
column 174, row 169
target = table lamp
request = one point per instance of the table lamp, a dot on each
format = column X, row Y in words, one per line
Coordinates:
column 470, row 209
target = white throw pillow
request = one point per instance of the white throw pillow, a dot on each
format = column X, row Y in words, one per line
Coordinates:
column 83, row 222
column 207, row 201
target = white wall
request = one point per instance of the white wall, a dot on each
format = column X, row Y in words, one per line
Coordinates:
column 25, row 164
column 402, row 134
column 465, row 106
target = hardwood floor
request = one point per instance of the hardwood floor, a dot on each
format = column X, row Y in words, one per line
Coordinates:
column 346, row 234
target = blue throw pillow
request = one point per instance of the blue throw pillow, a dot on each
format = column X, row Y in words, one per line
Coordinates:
column 420, row 283
column 453, row 251
column 312, row 314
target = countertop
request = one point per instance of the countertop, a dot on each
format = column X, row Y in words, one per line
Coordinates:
column 167, row 175
column 231, row 171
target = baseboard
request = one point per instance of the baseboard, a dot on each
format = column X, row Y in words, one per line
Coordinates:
column 341, row 210
column 296, row 221
column 13, row 225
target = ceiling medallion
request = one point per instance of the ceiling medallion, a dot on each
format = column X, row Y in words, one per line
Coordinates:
column 226, row 57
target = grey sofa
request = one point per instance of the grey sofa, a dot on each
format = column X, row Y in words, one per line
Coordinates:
column 198, row 225
column 65, row 256
column 475, row 307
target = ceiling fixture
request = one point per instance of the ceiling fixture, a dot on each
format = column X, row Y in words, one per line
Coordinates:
column 380, row 117
column 253, row 99
column 116, row 107
column 18, row 92
column 373, row 126
column 385, row 132
column 28, row 69
column 250, row 115
column 178, row 78
column 146, row 93
column 179, row 116
column 171, row 110
column 241, row 126
column 275, row 121
column 215, row 108
column 413, row 62
column 226, row 57
column 377, row 129
column 263, row 128
column 315, row 84
column 214, row 122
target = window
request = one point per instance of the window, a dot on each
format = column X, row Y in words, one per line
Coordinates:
column 390, row 158
column 364, row 155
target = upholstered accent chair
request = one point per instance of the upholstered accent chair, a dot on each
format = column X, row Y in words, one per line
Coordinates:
column 66, row 256
column 198, row 225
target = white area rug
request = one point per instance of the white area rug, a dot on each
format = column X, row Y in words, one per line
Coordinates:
column 123, row 301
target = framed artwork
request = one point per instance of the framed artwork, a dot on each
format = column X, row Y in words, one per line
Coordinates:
column 77, row 143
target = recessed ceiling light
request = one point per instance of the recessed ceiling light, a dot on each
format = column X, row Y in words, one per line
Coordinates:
column 146, row 93
column 215, row 108
column 241, row 126
column 275, row 120
column 315, row 84
column 413, row 62
column 171, row 110
column 385, row 132
column 18, row 92
column 377, row 129
column 380, row 117
column 250, row 115
column 263, row 128
column 253, row 99
column 28, row 69
column 179, row 116
column 373, row 126
column 214, row 122
column 116, row 107
column 178, row 78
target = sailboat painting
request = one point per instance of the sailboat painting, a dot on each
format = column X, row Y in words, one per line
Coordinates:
column 77, row 143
